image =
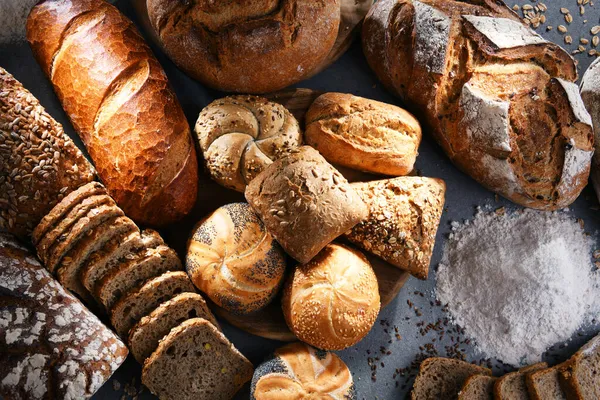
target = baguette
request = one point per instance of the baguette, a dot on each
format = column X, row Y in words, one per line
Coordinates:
column 118, row 98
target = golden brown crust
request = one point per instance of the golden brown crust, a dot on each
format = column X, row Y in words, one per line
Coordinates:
column 363, row 134
column 215, row 42
column 119, row 101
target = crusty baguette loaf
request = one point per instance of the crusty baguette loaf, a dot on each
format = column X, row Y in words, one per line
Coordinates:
column 120, row 103
column 51, row 347
column 499, row 98
column 39, row 163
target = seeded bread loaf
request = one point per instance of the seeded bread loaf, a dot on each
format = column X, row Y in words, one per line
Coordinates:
column 298, row 371
column 146, row 334
column 443, row 378
column 545, row 384
column 404, row 215
column 234, row 260
column 51, row 347
column 499, row 99
column 118, row 98
column 241, row 135
column 478, row 387
column 580, row 375
column 300, row 192
column 513, row 386
column 363, row 134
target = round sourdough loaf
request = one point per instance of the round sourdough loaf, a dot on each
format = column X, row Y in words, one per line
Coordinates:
column 499, row 99
column 234, row 260
column 333, row 301
column 246, row 46
column 298, row 371
column 241, row 135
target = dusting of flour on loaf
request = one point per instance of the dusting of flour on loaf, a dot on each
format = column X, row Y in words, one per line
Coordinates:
column 13, row 17
column 519, row 282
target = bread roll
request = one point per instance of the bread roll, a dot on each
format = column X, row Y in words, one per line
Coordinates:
column 119, row 100
column 499, row 98
column 363, row 134
column 234, row 260
column 246, row 46
column 241, row 135
column 590, row 93
column 404, row 215
column 333, row 301
column 298, row 371
column 298, row 194
column 39, row 163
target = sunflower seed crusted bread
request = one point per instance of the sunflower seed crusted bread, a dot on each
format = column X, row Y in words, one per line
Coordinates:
column 196, row 361
column 443, row 378
column 39, row 163
column 545, row 385
column 145, row 335
column 51, row 347
column 513, row 386
column 478, row 387
column 580, row 376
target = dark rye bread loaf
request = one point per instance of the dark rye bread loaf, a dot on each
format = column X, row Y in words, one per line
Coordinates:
column 140, row 302
column 443, row 378
column 145, row 335
column 545, row 385
column 113, row 253
column 580, row 375
column 478, row 387
column 513, row 386
column 51, row 347
column 130, row 274
column 196, row 361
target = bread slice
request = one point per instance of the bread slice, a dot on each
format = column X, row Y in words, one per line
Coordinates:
column 513, row 386
column 61, row 209
column 478, row 387
column 101, row 262
column 145, row 335
column 69, row 268
column 139, row 303
column 580, row 376
column 545, row 385
column 133, row 273
column 443, row 378
column 196, row 361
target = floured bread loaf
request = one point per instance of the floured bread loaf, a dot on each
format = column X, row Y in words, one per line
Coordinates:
column 241, row 135
column 499, row 98
column 590, row 93
column 51, row 347
column 234, row 260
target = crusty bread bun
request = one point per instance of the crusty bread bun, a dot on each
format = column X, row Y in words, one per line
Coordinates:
column 246, row 46
column 363, row 134
column 333, row 301
column 241, row 135
column 234, row 260
column 304, row 202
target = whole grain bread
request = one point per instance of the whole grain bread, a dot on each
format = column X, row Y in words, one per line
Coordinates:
column 146, row 334
column 300, row 192
column 580, row 375
column 443, row 378
column 196, row 361
column 513, row 386
column 545, row 385
column 478, row 387
column 140, row 302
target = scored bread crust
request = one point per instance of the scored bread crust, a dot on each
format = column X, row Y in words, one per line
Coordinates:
column 590, row 94
column 499, row 98
column 246, row 46
column 120, row 103
column 363, row 134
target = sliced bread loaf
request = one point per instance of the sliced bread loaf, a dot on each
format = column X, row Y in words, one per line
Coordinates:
column 513, row 386
column 119, row 248
column 580, row 376
column 443, row 378
column 478, row 387
column 145, row 335
column 139, row 303
column 196, row 361
column 132, row 273
column 545, row 385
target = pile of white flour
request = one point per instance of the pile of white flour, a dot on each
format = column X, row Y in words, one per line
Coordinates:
column 519, row 283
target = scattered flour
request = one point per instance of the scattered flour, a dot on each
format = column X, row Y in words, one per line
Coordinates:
column 519, row 283
column 13, row 17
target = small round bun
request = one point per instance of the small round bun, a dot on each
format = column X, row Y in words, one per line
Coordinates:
column 298, row 371
column 234, row 260
column 333, row 301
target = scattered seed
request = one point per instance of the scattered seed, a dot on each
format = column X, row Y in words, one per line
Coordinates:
column 569, row 18
column 563, row 29
column 568, row 39
column 595, row 30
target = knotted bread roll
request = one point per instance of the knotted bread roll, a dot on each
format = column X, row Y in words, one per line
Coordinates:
column 234, row 260
column 241, row 135
column 333, row 301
